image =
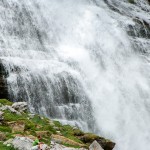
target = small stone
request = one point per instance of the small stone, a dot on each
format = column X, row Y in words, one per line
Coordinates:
column 31, row 116
column 95, row 146
column 8, row 145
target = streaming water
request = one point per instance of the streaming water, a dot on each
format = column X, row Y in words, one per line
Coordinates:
column 83, row 62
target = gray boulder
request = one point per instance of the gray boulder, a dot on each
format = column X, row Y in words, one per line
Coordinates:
column 23, row 143
column 9, row 108
column 20, row 106
column 95, row 146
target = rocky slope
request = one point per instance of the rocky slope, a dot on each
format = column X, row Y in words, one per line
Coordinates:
column 18, row 128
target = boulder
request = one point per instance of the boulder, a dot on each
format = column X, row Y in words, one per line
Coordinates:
column 88, row 138
column 20, row 106
column 95, row 146
column 9, row 108
column 24, row 143
column 20, row 143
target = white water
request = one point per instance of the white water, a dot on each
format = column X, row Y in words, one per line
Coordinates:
column 72, row 60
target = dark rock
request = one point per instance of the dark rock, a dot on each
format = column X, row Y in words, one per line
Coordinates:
column 88, row 138
column 3, row 83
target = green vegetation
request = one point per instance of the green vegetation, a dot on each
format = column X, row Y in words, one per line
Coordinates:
column 3, row 147
column 5, row 102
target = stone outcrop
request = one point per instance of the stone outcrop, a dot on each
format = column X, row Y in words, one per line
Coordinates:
column 89, row 138
column 24, row 143
column 9, row 108
column 3, row 84
column 20, row 106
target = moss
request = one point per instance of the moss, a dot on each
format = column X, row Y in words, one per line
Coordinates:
column 5, row 102
column 40, row 121
column 49, row 128
column 8, row 116
column 89, row 138
column 57, row 124
column 74, row 146
column 78, row 132
column 5, row 128
column 3, row 147
column 67, row 131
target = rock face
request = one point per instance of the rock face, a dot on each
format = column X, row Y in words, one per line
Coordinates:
column 95, row 146
column 3, row 84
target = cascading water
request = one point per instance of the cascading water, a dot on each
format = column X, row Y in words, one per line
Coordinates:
column 74, row 61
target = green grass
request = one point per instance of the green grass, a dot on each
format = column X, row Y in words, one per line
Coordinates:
column 4, row 128
column 5, row 102
column 3, row 147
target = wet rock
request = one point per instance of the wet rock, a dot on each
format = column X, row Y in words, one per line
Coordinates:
column 95, row 146
column 3, row 82
column 105, row 144
column 20, row 106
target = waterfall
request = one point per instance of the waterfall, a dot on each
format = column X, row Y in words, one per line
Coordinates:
column 83, row 62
